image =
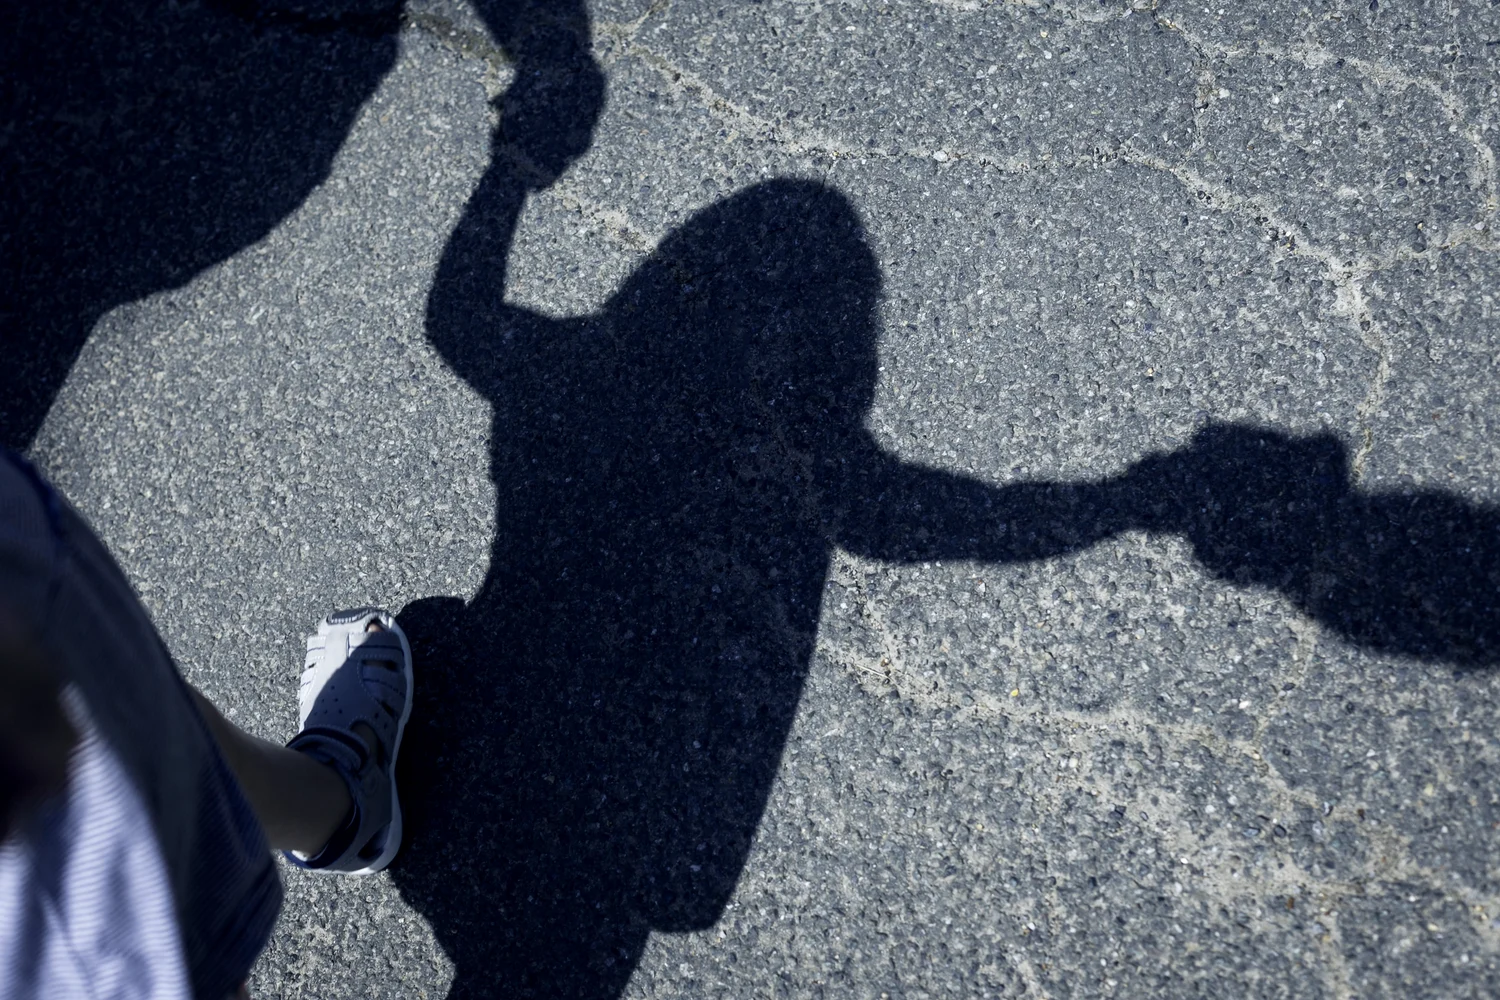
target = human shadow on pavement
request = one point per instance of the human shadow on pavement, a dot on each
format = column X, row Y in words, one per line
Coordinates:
column 596, row 733
column 141, row 142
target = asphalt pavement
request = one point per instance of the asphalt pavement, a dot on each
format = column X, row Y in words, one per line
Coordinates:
column 890, row 499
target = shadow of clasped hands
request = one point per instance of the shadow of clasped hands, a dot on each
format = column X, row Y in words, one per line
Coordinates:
column 1413, row 572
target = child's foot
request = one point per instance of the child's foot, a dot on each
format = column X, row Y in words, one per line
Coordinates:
column 354, row 702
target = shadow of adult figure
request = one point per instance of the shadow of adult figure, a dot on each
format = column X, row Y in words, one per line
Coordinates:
column 141, row 142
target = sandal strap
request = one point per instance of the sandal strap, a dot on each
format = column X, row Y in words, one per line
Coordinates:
column 340, row 750
column 370, row 811
column 371, row 692
column 334, row 748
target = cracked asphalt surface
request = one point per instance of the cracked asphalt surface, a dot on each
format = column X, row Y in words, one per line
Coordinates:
column 1107, row 610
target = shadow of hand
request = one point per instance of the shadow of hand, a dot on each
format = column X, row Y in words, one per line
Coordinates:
column 1413, row 572
column 547, row 114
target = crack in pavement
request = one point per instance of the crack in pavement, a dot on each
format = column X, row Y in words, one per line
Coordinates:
column 1082, row 731
column 1344, row 272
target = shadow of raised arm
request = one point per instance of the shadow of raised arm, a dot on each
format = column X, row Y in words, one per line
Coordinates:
column 547, row 118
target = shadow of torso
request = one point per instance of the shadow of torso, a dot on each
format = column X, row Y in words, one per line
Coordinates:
column 600, row 727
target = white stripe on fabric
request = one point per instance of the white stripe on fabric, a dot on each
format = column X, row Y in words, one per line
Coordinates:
column 86, row 910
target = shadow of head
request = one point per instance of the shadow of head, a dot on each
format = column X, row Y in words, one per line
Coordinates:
column 763, row 306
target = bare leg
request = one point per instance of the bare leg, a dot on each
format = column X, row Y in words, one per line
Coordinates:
column 299, row 801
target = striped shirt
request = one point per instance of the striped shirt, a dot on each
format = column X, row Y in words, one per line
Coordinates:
column 86, row 908
column 152, row 812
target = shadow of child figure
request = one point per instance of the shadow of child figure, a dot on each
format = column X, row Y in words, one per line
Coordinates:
column 597, row 731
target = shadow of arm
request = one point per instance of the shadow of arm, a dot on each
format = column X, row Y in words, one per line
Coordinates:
column 887, row 509
column 547, row 118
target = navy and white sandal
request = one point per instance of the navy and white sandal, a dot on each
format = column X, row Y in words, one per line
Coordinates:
column 353, row 675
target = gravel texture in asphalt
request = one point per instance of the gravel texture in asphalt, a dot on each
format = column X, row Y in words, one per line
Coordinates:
column 889, row 499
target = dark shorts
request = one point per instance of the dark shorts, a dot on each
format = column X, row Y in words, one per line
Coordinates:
column 58, row 576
